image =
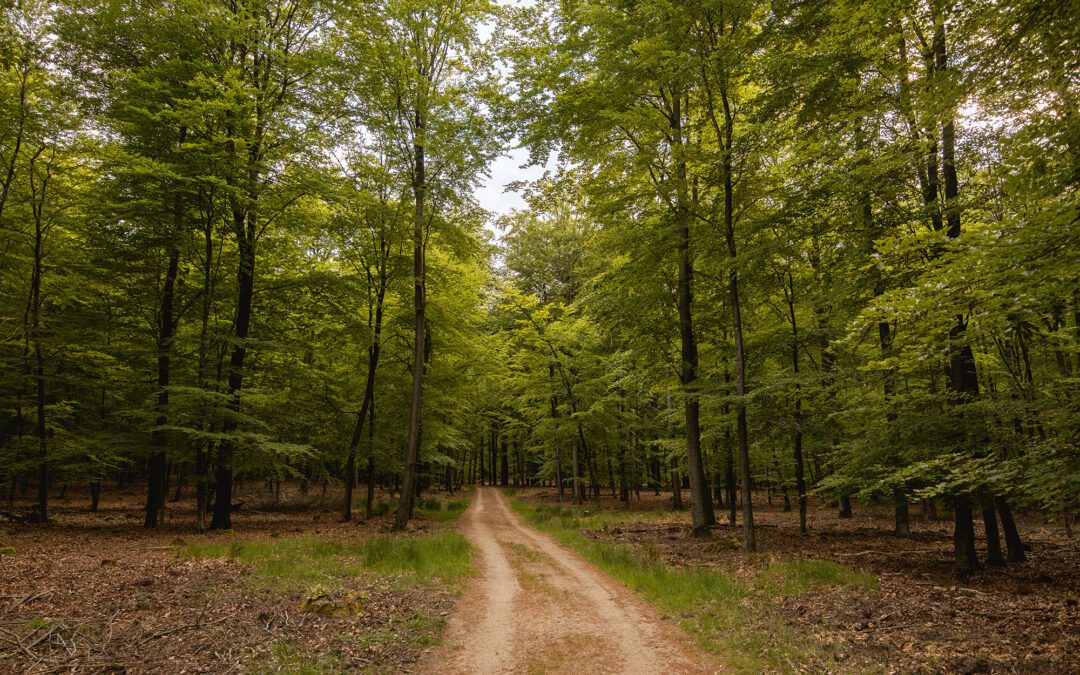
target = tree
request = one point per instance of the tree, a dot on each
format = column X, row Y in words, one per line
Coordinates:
column 424, row 96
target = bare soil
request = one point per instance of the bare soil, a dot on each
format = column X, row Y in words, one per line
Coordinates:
column 95, row 592
column 1023, row 618
column 534, row 607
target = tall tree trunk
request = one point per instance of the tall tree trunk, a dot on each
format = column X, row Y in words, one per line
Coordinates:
column 155, row 493
column 966, row 561
column 39, row 185
column 245, row 278
column 1012, row 535
column 800, row 476
column 994, row 556
column 701, row 510
column 369, row 502
column 202, row 449
column 963, row 381
column 749, row 542
column 504, row 463
column 412, row 450
column 369, row 397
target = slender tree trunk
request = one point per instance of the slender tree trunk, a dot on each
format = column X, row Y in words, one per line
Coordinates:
column 38, row 189
column 481, row 450
column 369, row 502
column 966, row 560
column 369, row 398
column 504, row 463
column 155, row 496
column 749, row 542
column 202, row 449
column 575, row 467
column 245, row 277
column 1012, row 534
column 676, row 485
column 701, row 511
column 963, row 379
column 800, row 478
column 412, row 450
column 994, row 556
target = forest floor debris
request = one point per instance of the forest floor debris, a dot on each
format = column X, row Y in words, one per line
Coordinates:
column 914, row 618
column 95, row 592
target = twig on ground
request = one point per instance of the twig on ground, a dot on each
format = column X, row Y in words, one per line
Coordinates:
column 32, row 597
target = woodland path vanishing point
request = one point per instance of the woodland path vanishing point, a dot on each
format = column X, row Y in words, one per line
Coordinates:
column 534, row 606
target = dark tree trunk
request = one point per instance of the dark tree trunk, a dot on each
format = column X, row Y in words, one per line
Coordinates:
column 155, row 494
column 38, row 188
column 245, row 278
column 701, row 511
column 369, row 502
column 412, row 450
column 202, row 450
column 365, row 407
column 963, row 379
column 964, row 540
column 481, row 451
column 1012, row 535
column 845, row 507
column 504, row 463
column 901, row 517
column 800, row 476
column 748, row 540
column 732, row 491
column 994, row 556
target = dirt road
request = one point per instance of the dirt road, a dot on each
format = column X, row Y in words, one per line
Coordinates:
column 536, row 607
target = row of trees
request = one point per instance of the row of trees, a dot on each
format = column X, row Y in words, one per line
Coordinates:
column 830, row 246
column 815, row 247
column 220, row 222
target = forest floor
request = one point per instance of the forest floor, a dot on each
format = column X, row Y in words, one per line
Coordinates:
column 879, row 604
column 535, row 606
column 95, row 592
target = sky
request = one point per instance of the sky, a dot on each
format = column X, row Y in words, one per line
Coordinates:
column 506, row 169
column 493, row 195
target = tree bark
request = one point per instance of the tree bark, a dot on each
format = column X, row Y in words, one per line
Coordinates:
column 365, row 406
column 966, row 561
column 155, row 494
column 748, row 539
column 701, row 511
column 1012, row 535
column 800, row 476
column 412, row 450
column 245, row 278
column 994, row 556
column 39, row 185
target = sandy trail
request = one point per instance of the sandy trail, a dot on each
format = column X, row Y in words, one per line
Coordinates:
column 536, row 607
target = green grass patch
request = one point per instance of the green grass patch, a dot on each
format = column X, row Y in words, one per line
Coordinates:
column 711, row 605
column 298, row 563
column 288, row 658
column 422, row 630
column 443, row 510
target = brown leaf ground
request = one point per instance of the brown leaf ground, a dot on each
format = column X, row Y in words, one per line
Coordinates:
column 1023, row 618
column 95, row 592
